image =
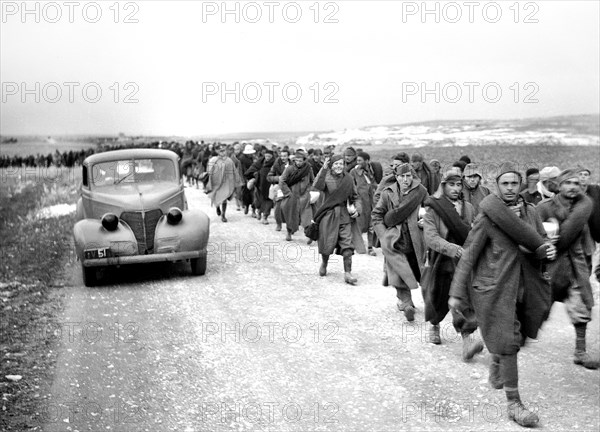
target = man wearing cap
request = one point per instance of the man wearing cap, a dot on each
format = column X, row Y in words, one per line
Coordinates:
column 350, row 158
column 435, row 165
column 222, row 180
column 530, row 192
column 593, row 193
column 395, row 220
column 547, row 185
column 336, row 216
column 295, row 184
column 279, row 166
column 246, row 160
column 389, row 178
column 500, row 274
column 428, row 178
column 446, row 226
column 259, row 171
column 474, row 192
column 570, row 273
column 364, row 178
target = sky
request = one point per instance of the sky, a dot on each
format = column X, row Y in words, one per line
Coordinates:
column 189, row 68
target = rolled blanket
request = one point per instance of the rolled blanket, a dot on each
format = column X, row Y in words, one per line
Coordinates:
column 573, row 222
column 408, row 204
column 514, row 227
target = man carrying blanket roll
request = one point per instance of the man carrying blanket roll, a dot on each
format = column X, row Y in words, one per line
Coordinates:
column 446, row 226
column 395, row 221
column 570, row 273
column 337, row 216
column 500, row 273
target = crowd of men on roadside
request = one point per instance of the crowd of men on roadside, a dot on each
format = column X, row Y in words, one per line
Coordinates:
column 495, row 257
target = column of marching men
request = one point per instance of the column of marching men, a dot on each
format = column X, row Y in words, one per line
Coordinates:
column 495, row 260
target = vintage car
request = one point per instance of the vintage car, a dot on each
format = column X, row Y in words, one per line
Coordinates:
column 133, row 209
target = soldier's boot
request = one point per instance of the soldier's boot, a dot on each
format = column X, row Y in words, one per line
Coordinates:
column 348, row 278
column 323, row 268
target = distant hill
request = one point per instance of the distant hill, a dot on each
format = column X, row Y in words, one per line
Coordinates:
column 561, row 130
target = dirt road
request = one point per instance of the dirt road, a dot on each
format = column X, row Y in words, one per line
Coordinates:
column 261, row 342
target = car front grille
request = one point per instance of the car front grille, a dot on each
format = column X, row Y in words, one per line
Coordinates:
column 143, row 225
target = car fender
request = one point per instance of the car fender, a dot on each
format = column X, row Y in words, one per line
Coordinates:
column 190, row 234
column 90, row 234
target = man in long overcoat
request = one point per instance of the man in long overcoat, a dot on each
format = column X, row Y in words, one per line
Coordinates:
column 446, row 226
column 279, row 166
column 337, row 216
column 500, row 273
column 570, row 272
column 223, row 177
column 366, row 184
column 395, row 220
column 295, row 184
column 474, row 192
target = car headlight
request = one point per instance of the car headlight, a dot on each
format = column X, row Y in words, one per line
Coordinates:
column 174, row 216
column 110, row 221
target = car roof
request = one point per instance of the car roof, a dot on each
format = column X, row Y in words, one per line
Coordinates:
column 130, row 154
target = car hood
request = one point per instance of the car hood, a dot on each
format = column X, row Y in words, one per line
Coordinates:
column 137, row 196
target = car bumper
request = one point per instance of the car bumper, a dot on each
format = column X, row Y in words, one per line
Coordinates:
column 141, row 259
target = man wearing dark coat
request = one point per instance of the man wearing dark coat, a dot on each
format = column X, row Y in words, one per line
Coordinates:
column 246, row 160
column 446, row 226
column 570, row 273
column 530, row 192
column 429, row 179
column 279, row 166
column 395, row 220
column 260, row 171
column 295, row 184
column 336, row 216
column 592, row 191
column 350, row 158
column 500, row 273
column 473, row 191
column 364, row 178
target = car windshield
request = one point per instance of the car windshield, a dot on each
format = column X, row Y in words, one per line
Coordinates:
column 133, row 171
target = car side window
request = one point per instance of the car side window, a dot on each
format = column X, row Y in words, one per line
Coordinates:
column 84, row 176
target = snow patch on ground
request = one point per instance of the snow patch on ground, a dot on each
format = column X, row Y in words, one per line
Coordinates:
column 55, row 211
column 460, row 135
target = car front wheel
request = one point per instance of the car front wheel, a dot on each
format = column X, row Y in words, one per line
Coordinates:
column 89, row 276
column 198, row 265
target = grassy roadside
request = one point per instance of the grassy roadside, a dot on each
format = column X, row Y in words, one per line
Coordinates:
column 33, row 253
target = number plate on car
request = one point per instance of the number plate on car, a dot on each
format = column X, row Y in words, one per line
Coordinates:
column 97, row 253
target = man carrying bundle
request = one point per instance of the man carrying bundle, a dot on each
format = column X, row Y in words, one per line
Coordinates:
column 336, row 217
column 446, row 226
column 295, row 183
column 395, row 218
column 500, row 274
column 570, row 273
